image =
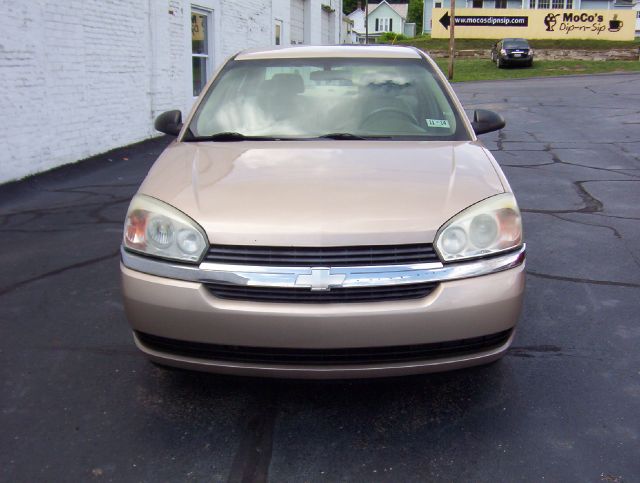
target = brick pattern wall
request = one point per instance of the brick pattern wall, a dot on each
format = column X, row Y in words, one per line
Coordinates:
column 76, row 81
column 80, row 77
column 246, row 23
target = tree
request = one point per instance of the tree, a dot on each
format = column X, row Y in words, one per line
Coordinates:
column 414, row 15
column 349, row 6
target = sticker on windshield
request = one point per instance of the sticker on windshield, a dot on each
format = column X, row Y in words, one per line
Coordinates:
column 438, row 123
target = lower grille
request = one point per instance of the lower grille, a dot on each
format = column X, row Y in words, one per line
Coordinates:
column 368, row 355
column 335, row 295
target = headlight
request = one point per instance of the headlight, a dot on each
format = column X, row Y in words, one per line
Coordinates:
column 530, row 51
column 157, row 229
column 503, row 52
column 490, row 226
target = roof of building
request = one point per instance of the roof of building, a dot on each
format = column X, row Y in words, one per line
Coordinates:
column 305, row 51
column 400, row 8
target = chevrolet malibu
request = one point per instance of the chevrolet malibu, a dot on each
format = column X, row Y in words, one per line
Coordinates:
column 324, row 212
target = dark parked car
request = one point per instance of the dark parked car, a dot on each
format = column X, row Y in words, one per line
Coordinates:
column 512, row 52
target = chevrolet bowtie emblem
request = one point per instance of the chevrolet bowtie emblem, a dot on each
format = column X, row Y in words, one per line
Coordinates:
column 320, row 279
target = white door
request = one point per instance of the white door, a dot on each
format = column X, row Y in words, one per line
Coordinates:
column 297, row 21
column 326, row 28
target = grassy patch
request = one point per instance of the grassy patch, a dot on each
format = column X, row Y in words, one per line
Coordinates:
column 425, row 42
column 481, row 69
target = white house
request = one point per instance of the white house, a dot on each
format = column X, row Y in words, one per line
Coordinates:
column 81, row 78
column 357, row 17
column 383, row 17
column 346, row 32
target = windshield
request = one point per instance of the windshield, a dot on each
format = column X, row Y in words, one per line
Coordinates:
column 342, row 98
column 516, row 44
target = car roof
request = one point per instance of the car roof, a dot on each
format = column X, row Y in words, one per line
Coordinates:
column 514, row 39
column 302, row 52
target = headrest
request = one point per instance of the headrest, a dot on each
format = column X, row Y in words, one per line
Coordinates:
column 292, row 83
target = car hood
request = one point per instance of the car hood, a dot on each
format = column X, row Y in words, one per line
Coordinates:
column 322, row 193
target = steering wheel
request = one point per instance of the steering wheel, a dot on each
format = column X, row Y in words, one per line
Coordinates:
column 410, row 117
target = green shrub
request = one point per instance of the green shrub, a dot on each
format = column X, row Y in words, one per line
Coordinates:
column 391, row 38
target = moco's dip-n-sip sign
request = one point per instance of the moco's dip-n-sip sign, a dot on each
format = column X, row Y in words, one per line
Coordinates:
column 535, row 24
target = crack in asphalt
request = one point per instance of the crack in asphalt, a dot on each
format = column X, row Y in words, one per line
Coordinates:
column 106, row 351
column 590, row 107
column 253, row 456
column 82, row 189
column 58, row 271
column 591, row 203
column 73, row 227
column 616, row 217
column 555, row 158
column 582, row 280
column 38, row 213
column 545, row 351
column 501, row 140
column 615, row 232
column 536, row 351
column 79, row 206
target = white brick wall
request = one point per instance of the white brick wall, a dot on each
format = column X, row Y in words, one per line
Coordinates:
column 80, row 77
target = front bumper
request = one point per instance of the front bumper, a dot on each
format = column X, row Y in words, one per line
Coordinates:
column 517, row 60
column 462, row 307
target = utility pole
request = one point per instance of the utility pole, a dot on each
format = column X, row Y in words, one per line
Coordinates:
column 366, row 22
column 452, row 40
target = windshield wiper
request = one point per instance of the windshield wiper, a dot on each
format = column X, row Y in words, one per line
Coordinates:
column 349, row 136
column 231, row 137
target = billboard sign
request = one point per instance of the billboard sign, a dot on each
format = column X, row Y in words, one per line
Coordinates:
column 474, row 23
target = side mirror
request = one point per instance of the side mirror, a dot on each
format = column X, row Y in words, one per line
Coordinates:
column 486, row 121
column 169, row 122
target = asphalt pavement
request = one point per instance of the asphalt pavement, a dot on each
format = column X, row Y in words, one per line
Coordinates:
column 79, row 403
